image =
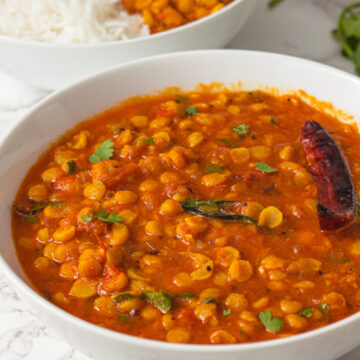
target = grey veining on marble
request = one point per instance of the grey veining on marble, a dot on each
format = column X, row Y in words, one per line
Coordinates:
column 296, row 27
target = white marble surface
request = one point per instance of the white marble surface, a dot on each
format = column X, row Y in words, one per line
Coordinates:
column 297, row 27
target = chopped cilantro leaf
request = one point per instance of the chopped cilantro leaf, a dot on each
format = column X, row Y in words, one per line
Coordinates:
column 324, row 308
column 86, row 218
column 209, row 300
column 212, row 168
column 272, row 120
column 263, row 167
column 241, row 129
column 270, row 322
column 226, row 312
column 149, row 140
column 104, row 152
column 72, row 167
column 103, row 216
column 306, row 313
column 191, row 110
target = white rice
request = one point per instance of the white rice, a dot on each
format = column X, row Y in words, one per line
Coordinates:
column 69, row 21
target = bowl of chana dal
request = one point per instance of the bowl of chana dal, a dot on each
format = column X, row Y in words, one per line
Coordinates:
column 110, row 32
column 169, row 208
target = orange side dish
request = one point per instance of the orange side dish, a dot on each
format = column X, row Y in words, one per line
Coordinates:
column 161, row 15
column 122, row 221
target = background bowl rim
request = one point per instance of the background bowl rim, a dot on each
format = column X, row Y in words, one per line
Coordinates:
column 149, row 343
column 140, row 39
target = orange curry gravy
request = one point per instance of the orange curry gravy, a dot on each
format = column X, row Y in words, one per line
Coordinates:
column 162, row 273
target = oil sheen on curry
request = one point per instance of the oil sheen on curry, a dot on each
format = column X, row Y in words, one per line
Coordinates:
column 200, row 217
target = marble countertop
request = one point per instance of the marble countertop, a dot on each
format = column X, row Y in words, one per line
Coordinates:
column 300, row 28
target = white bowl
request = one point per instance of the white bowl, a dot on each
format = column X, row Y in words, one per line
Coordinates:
column 51, row 66
column 62, row 110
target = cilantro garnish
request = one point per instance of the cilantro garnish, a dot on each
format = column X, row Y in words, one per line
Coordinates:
column 209, row 300
column 324, row 308
column 72, row 167
column 104, row 152
column 191, row 110
column 103, row 216
column 187, row 295
column 226, row 312
column 272, row 120
column 270, row 322
column 212, row 168
column 149, row 140
column 241, row 129
column 306, row 313
column 263, row 167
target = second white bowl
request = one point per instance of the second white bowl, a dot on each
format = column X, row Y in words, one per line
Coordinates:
column 51, row 66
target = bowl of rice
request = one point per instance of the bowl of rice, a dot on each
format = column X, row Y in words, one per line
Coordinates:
column 50, row 44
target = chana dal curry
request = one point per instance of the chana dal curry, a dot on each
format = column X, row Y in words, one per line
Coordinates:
column 161, row 15
column 200, row 217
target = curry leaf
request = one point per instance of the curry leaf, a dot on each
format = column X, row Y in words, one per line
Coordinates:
column 213, row 208
column 32, row 219
column 160, row 299
column 241, row 129
column 211, row 300
column 104, row 152
column 187, row 295
column 270, row 322
column 263, row 167
column 72, row 167
column 123, row 297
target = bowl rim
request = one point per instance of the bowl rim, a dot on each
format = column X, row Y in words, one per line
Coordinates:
column 140, row 39
column 144, row 342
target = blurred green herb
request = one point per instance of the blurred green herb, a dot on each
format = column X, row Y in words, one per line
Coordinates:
column 212, row 168
column 149, row 140
column 191, row 110
column 348, row 33
column 273, row 3
column 241, row 129
column 72, row 167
